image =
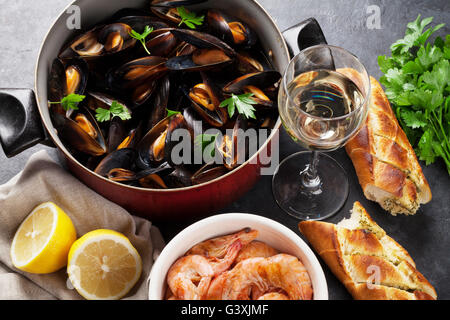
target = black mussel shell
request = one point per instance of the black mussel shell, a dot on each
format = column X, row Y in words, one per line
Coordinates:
column 81, row 132
column 207, row 173
column 205, row 99
column 150, row 154
column 203, row 40
column 138, row 78
column 67, row 77
column 230, row 29
column 138, row 23
column 100, row 41
column 162, row 43
column 233, row 146
column 175, row 3
column 122, row 158
column 160, row 103
column 260, row 80
column 177, row 122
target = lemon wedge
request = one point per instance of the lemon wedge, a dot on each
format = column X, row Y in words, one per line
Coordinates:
column 103, row 265
column 43, row 240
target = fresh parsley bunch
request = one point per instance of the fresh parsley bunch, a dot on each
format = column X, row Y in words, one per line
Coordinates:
column 417, row 82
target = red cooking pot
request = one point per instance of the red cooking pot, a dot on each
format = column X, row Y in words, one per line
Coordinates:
column 25, row 119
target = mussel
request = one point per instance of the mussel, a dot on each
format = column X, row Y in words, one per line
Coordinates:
column 81, row 132
column 210, row 52
column 138, row 78
column 100, row 41
column 160, row 103
column 162, row 43
column 138, row 23
column 206, row 100
column 95, row 100
column 175, row 3
column 156, row 146
column 167, row 9
column 233, row 146
column 254, row 83
column 207, row 173
column 67, row 78
column 122, row 158
column 247, row 64
column 149, row 178
column 230, row 30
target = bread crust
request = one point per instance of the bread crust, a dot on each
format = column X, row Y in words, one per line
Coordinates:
column 370, row 264
column 384, row 161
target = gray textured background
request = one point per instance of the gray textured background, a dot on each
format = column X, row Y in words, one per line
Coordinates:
column 24, row 23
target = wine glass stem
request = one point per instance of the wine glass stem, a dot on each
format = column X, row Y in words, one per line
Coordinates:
column 309, row 176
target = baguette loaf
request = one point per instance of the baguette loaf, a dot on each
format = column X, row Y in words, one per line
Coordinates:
column 384, row 160
column 370, row 264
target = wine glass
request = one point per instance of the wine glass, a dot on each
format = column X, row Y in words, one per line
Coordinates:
column 323, row 102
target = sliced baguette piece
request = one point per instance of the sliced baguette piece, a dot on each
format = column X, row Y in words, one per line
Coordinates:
column 370, row 264
column 385, row 162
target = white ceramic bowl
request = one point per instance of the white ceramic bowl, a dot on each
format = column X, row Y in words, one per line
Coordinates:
column 270, row 231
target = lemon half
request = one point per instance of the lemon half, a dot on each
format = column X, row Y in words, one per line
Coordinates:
column 103, row 265
column 43, row 240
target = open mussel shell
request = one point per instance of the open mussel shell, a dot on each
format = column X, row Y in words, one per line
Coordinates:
column 205, row 99
column 230, row 30
column 81, row 132
column 116, row 133
column 203, row 40
column 211, row 53
column 199, row 60
column 179, row 178
column 160, row 103
column 207, row 173
column 138, row 78
column 138, row 23
column 122, row 158
column 174, row 3
column 95, row 100
column 247, row 64
column 66, row 78
column 149, row 178
column 151, row 149
column 233, row 146
column 260, row 80
column 162, row 43
column 100, row 41
column 176, row 123
column 169, row 14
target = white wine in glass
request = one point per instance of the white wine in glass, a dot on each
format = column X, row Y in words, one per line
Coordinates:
column 321, row 109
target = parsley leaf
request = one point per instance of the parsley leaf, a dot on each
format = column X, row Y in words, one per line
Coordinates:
column 417, row 82
column 70, row 101
column 205, row 140
column 243, row 103
column 142, row 37
column 116, row 110
column 171, row 113
column 190, row 19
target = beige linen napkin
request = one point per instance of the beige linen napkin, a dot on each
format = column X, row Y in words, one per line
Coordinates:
column 44, row 180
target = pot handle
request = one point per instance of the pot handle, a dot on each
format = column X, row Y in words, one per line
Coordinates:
column 303, row 35
column 20, row 123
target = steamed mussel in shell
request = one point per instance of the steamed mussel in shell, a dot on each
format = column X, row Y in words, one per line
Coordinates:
column 175, row 78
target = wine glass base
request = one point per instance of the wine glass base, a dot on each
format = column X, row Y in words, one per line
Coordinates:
column 318, row 201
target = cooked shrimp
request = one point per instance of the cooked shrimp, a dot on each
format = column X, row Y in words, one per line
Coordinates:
column 274, row 296
column 189, row 277
column 255, row 249
column 222, row 251
column 281, row 271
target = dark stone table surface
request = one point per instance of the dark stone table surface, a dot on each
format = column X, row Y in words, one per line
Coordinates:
column 23, row 25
